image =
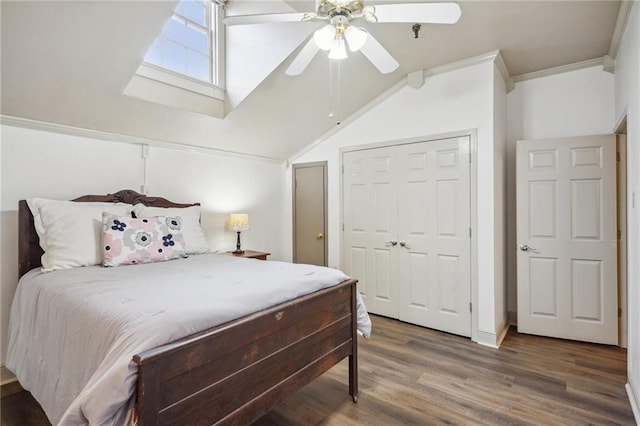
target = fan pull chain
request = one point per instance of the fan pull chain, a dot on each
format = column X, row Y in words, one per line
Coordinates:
column 334, row 88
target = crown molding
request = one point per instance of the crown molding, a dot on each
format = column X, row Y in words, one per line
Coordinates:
column 608, row 64
column 559, row 70
column 64, row 129
column 415, row 79
column 348, row 120
column 464, row 63
column 494, row 56
column 504, row 71
column 624, row 11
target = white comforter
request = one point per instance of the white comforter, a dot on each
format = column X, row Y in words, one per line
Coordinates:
column 73, row 333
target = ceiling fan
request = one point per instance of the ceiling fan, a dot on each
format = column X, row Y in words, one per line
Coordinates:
column 339, row 31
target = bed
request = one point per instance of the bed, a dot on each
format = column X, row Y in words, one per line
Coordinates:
column 234, row 372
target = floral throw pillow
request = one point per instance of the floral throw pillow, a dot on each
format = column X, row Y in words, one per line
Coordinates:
column 128, row 241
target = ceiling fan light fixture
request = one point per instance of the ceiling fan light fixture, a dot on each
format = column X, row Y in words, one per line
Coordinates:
column 324, row 37
column 356, row 37
column 338, row 49
column 338, row 33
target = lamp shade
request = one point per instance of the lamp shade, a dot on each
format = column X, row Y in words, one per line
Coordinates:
column 238, row 222
column 338, row 50
column 324, row 37
column 356, row 37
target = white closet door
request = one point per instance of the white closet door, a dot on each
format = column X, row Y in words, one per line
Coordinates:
column 433, row 224
column 370, row 223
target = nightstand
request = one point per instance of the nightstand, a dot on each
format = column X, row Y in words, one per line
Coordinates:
column 251, row 254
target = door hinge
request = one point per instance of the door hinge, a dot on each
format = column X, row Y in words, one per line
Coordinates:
column 343, row 227
column 469, row 157
column 470, row 307
column 619, row 234
column 343, row 169
column 619, row 312
column 470, row 233
column 617, row 156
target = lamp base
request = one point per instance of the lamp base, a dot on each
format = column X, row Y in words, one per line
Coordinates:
column 238, row 249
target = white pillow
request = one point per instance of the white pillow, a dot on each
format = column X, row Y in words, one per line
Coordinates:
column 71, row 232
column 194, row 240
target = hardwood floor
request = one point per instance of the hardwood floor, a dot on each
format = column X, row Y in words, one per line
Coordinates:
column 412, row 375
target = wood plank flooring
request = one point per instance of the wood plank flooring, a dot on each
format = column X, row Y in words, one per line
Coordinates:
column 412, row 375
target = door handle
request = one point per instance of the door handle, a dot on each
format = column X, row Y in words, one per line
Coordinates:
column 404, row 244
column 391, row 243
column 525, row 247
column 319, row 236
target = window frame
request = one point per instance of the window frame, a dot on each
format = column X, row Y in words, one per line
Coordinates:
column 216, row 43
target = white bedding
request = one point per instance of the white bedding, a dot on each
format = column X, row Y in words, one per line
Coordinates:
column 73, row 333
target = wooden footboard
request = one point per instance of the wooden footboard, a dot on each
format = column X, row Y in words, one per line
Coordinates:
column 236, row 372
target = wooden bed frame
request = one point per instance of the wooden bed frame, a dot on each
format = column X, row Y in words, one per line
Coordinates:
column 236, row 372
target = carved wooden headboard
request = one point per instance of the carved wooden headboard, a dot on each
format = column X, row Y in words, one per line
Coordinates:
column 29, row 250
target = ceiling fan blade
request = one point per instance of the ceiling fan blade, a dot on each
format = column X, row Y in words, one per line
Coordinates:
column 379, row 56
column 268, row 18
column 303, row 59
column 425, row 13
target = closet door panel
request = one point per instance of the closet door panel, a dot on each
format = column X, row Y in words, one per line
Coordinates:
column 447, row 284
column 433, row 224
column 370, row 222
column 418, row 268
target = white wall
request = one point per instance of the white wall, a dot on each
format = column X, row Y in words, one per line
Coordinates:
column 500, row 181
column 569, row 104
column 36, row 163
column 251, row 53
column 458, row 100
column 225, row 185
column 627, row 102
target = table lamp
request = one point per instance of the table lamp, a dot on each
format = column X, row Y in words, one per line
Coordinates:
column 238, row 223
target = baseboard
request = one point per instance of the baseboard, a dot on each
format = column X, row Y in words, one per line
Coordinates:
column 633, row 400
column 493, row 340
column 504, row 328
column 6, row 376
column 10, row 389
column 487, row 339
column 8, row 382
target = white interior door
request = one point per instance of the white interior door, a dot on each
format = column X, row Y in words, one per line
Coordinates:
column 370, row 225
column 434, row 248
column 566, row 226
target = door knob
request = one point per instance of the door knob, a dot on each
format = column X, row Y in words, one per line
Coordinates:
column 525, row 247
column 319, row 236
column 390, row 243
column 404, row 244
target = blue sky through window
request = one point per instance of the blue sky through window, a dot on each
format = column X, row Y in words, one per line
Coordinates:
column 185, row 45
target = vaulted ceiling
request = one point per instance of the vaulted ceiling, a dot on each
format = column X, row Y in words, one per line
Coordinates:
column 68, row 62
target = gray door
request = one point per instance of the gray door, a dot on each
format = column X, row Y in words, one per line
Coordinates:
column 310, row 213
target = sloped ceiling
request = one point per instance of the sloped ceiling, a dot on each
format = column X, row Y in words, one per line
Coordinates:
column 69, row 62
